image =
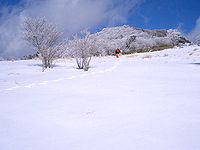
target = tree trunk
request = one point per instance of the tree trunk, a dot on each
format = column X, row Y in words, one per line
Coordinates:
column 79, row 62
column 86, row 63
column 45, row 63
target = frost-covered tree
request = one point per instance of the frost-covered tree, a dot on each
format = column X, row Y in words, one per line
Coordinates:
column 130, row 39
column 44, row 38
column 82, row 47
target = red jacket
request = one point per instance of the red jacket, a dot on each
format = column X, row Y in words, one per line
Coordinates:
column 117, row 51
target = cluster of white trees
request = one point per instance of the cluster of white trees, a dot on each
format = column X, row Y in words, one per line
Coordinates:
column 47, row 41
column 129, row 39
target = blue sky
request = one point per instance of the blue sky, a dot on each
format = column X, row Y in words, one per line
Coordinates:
column 153, row 14
column 156, row 14
column 9, row 2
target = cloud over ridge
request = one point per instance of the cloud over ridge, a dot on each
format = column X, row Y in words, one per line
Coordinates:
column 69, row 15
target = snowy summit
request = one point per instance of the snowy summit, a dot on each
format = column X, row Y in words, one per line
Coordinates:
column 131, row 39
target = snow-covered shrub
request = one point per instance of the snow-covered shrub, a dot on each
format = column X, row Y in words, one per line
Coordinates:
column 26, row 57
column 82, row 48
column 44, row 38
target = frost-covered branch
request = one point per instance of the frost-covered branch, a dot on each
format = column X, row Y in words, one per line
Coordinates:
column 82, row 47
column 44, row 38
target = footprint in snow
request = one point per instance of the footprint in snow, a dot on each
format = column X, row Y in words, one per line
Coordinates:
column 72, row 77
column 29, row 86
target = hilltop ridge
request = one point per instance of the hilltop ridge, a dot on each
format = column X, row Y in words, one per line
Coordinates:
column 131, row 39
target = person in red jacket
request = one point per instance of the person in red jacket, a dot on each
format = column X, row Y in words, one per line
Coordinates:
column 117, row 52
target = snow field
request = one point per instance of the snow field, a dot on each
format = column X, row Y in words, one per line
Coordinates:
column 65, row 78
column 131, row 103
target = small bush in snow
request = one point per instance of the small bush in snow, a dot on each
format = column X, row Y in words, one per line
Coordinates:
column 82, row 48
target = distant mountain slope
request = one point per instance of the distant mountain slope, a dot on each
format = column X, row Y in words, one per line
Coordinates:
column 133, row 39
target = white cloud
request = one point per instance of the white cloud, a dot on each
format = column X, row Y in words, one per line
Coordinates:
column 69, row 15
column 10, row 34
column 195, row 34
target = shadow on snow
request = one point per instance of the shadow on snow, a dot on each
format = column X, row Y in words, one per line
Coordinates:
column 198, row 64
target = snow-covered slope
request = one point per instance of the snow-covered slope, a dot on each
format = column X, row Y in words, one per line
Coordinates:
column 147, row 101
column 129, row 38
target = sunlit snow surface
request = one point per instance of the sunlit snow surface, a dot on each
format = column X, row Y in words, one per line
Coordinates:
column 148, row 101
